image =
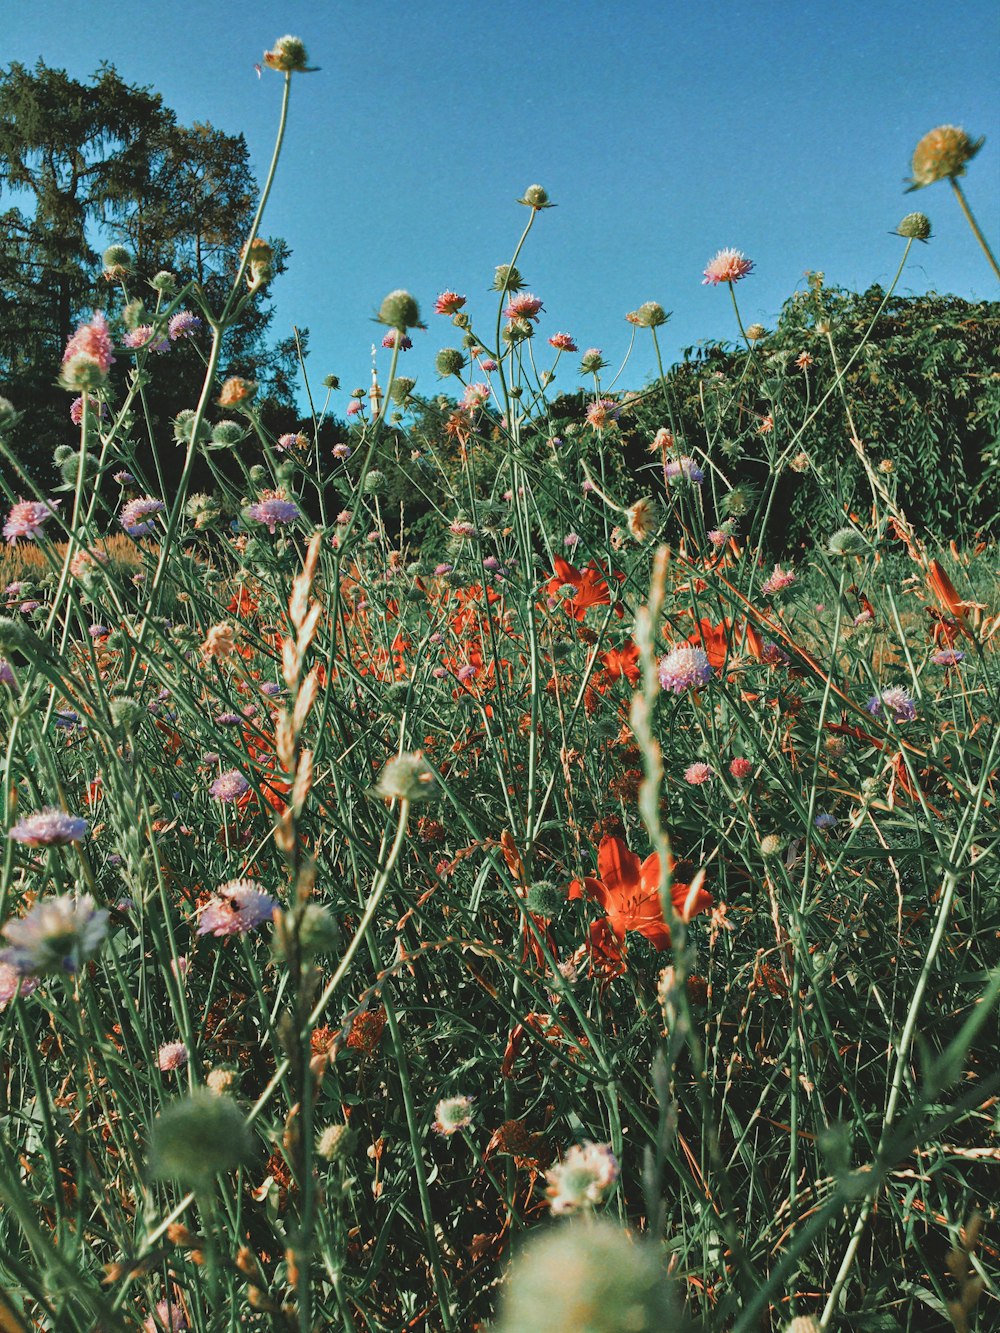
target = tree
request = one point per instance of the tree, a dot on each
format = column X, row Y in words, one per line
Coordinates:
column 82, row 164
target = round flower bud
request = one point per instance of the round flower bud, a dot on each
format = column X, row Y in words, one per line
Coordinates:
column 588, row 1276
column 227, row 432
column 941, row 154
column 164, row 282
column 331, row 382
column 288, row 55
column 449, row 361
column 406, row 777
column 650, row 315
column 592, row 361
column 82, row 374
column 507, row 279
column 318, row 932
column 770, row 845
column 545, row 899
column 915, row 226
column 126, row 713
column 846, row 541
column 221, row 1080
column 335, row 1142
column 400, row 311
column 536, row 197
column 184, row 424
column 117, row 262
column 258, row 474
column 374, row 482
column 197, row 1137
column 401, row 388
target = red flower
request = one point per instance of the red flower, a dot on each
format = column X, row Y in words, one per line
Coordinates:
column 624, row 661
column 628, row 891
column 720, row 640
column 590, row 583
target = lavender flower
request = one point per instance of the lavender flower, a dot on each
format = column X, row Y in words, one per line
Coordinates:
column 183, row 325
column 50, row 827
column 272, row 510
column 13, row 982
column 57, row 935
column 236, row 908
column 895, row 701
column 229, row 786
column 684, row 668
column 134, row 515
column 684, row 468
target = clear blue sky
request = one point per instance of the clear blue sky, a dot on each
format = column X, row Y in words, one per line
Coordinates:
column 664, row 131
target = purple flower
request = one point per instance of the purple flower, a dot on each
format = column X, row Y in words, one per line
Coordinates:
column 272, row 510
column 228, row 720
column 895, row 701
column 57, row 935
column 134, row 515
column 145, row 336
column 947, row 657
column 824, row 821
column 684, row 668
column 229, row 786
column 124, row 478
column 183, row 325
column 49, row 828
column 683, row 467
column 235, row 908
column 6, row 675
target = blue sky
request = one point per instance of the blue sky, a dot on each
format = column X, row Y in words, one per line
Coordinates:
column 663, row 131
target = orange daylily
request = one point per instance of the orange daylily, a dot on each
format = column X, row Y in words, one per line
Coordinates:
column 628, row 891
column 720, row 640
column 944, row 590
column 590, row 583
column 624, row 661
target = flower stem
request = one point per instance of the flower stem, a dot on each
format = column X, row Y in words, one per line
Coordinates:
column 960, row 196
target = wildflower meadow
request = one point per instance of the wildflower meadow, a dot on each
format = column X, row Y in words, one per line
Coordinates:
column 464, row 866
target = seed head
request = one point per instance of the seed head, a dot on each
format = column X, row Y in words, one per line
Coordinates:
column 942, row 154
column 400, row 311
column 915, row 227
column 406, row 777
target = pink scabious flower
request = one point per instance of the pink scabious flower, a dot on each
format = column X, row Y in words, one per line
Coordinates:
column 698, row 774
column 896, row 701
column 684, row 469
column 236, row 908
column 781, row 578
column 465, row 673
column 26, row 519
column 183, row 325
column 92, row 341
column 50, row 827
column 145, row 336
column 602, row 412
column 461, row 527
column 58, row 935
column 13, row 982
column 229, row 786
column 488, row 365
column 355, row 406
column 563, row 342
column 946, row 657
column 271, row 510
column 524, row 306
column 167, row 1318
column 391, row 338
column 135, row 515
column 341, row 452
column 718, row 538
column 584, row 1178
column 452, row 1114
column 172, row 1055
column 684, row 668
column 76, row 409
column 740, row 768
column 476, row 396
column 448, row 303
column 727, row 266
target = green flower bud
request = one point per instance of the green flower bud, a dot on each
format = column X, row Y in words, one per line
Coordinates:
column 915, row 227
column 546, row 899
column 117, row 262
column 650, row 315
column 335, row 1142
column 755, row 332
column 184, row 424
column 401, row 388
column 507, row 279
column 82, row 374
column 449, row 361
column 536, row 197
column 374, row 483
column 164, row 282
column 846, row 541
column 318, row 932
column 197, row 1137
column 126, row 713
column 258, row 474
column 228, row 432
column 331, row 382
column 400, row 311
column 406, row 777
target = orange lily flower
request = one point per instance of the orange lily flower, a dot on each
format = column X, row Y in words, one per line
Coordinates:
column 590, row 583
column 628, row 891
